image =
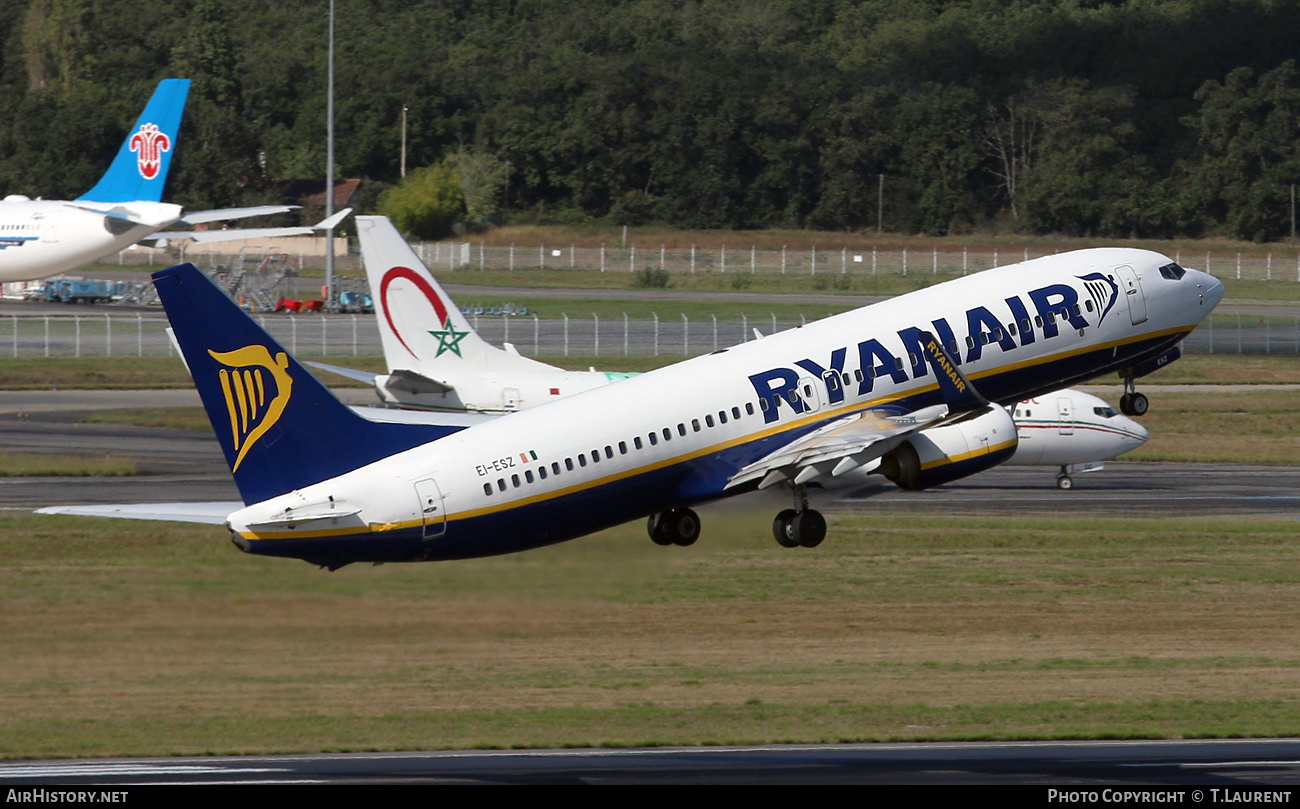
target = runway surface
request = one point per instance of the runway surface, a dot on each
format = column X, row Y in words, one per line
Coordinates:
column 179, row 465
column 1227, row 768
column 183, row 465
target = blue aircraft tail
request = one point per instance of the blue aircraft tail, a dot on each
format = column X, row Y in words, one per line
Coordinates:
column 140, row 169
column 279, row 427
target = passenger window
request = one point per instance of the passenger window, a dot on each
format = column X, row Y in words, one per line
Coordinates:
column 514, row 479
column 609, row 451
column 695, row 425
column 541, row 472
column 582, row 461
column 668, row 434
column 595, row 456
column 722, row 414
column 708, row 421
column 858, row 374
column 528, row 475
column 568, row 464
column 636, row 442
column 487, row 488
column 555, row 467
column 654, row 439
column 681, row 429
column 622, row 448
column 501, row 484
column 735, row 411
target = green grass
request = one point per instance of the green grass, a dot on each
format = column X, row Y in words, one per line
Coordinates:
column 22, row 464
column 128, row 638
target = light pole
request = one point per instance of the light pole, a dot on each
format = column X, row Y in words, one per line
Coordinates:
column 403, row 141
column 329, row 174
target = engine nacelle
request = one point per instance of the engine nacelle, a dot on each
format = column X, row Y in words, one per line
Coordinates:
column 941, row 454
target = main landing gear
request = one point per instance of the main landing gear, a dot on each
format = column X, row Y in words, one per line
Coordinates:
column 1063, row 481
column 1132, row 403
column 676, row 526
column 800, row 526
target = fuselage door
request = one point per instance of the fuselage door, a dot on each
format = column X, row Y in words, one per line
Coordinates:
column 1131, row 288
column 810, row 392
column 431, row 509
column 1065, row 410
column 510, row 398
column 47, row 226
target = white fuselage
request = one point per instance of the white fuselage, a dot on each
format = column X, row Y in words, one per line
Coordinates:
column 40, row 238
column 1068, row 427
column 660, row 440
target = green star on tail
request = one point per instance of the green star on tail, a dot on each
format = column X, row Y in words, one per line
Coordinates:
column 449, row 339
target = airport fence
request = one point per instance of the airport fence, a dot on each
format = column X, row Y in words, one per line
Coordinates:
column 831, row 260
column 325, row 335
column 859, row 259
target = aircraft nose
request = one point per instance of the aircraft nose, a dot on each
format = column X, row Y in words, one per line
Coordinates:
column 1138, row 434
column 1211, row 290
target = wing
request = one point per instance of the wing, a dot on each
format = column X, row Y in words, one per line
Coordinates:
column 838, row 447
column 860, row 438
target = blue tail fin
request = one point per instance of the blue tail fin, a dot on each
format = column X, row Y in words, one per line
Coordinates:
column 140, row 169
column 279, row 427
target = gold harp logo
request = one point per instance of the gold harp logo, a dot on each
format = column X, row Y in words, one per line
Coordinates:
column 252, row 407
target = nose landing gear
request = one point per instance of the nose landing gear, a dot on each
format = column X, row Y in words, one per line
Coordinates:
column 1132, row 403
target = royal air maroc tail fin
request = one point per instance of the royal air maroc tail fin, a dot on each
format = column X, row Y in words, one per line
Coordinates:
column 422, row 330
column 279, row 427
column 140, row 169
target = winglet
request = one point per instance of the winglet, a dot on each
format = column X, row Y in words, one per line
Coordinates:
column 333, row 221
column 279, row 427
column 958, row 393
column 139, row 171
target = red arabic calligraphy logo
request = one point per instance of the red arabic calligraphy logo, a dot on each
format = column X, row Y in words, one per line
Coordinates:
column 410, row 275
column 150, row 144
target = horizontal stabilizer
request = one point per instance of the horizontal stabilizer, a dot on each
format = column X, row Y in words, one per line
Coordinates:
column 367, row 377
column 207, row 513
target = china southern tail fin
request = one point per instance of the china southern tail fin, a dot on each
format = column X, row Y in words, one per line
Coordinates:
column 140, row 169
column 422, row 330
column 279, row 428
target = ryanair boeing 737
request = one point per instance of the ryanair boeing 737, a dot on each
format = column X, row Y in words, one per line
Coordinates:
column 914, row 389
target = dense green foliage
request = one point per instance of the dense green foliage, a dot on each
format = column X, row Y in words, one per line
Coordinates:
column 1085, row 117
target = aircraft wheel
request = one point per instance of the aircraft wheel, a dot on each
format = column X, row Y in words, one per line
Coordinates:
column 809, row 527
column 1138, row 404
column 655, row 527
column 683, row 525
column 1064, row 483
column 783, row 529
column 1124, row 406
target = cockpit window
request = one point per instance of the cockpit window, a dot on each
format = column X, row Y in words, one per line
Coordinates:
column 1105, row 412
column 1172, row 271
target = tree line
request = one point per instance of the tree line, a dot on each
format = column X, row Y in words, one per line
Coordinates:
column 1115, row 118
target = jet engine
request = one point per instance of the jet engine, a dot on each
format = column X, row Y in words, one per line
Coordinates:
column 942, row 454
